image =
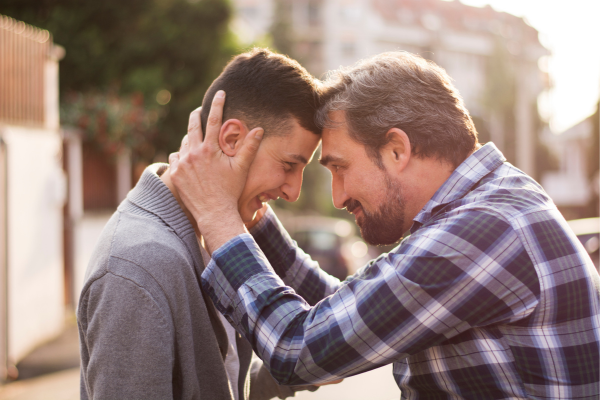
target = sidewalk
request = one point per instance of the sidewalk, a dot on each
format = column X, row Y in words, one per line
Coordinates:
column 63, row 385
column 378, row 384
column 50, row 372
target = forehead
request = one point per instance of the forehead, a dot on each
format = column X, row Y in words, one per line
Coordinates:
column 337, row 142
column 295, row 140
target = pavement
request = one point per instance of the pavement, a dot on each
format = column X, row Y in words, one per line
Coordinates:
column 50, row 372
column 378, row 384
column 63, row 385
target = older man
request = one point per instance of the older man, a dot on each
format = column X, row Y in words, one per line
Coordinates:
column 491, row 296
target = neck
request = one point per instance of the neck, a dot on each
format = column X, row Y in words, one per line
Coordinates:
column 166, row 178
column 426, row 177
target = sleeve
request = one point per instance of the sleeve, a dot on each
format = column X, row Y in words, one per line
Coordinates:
column 293, row 265
column 264, row 387
column 126, row 342
column 450, row 276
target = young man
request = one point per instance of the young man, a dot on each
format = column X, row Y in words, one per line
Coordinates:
column 147, row 330
column 490, row 297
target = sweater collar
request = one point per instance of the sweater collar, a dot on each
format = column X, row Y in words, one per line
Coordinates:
column 154, row 196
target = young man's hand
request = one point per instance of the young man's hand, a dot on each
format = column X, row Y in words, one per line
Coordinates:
column 208, row 181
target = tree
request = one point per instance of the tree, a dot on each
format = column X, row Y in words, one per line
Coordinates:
column 137, row 47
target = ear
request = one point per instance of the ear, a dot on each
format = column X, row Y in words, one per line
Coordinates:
column 397, row 152
column 233, row 132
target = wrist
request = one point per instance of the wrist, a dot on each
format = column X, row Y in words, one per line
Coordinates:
column 218, row 229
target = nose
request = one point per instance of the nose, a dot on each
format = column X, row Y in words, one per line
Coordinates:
column 290, row 190
column 338, row 193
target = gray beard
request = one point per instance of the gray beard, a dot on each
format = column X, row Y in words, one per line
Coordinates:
column 385, row 225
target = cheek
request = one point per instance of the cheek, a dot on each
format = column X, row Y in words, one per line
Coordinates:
column 363, row 186
column 263, row 177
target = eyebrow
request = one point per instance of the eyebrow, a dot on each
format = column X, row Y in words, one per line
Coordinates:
column 329, row 158
column 300, row 158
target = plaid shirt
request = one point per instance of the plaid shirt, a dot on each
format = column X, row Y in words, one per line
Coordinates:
column 491, row 297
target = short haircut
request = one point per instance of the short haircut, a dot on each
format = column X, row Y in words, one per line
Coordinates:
column 265, row 89
column 400, row 90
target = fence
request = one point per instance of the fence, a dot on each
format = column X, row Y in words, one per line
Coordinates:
column 24, row 50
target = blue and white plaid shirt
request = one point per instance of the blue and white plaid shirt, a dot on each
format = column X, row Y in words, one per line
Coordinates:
column 491, row 297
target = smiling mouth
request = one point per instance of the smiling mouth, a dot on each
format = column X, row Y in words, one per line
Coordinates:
column 356, row 211
column 264, row 198
column 353, row 206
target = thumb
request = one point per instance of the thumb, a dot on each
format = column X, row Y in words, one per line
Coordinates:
column 249, row 148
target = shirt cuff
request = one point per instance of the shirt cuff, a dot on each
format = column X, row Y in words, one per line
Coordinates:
column 239, row 259
column 230, row 267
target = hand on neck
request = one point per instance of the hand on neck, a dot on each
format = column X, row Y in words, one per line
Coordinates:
column 166, row 178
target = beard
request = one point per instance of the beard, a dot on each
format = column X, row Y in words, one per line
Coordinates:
column 386, row 224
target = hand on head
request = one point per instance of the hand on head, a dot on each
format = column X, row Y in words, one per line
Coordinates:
column 208, row 181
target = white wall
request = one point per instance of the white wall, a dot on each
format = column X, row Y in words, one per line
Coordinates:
column 87, row 231
column 36, row 194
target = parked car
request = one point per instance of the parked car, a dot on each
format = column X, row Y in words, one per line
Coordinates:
column 332, row 242
column 588, row 233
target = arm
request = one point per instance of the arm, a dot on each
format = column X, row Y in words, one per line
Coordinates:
column 126, row 342
column 293, row 266
column 438, row 283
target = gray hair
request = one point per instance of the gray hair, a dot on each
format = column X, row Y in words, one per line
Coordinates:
column 400, row 90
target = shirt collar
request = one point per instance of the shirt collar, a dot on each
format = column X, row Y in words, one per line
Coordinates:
column 465, row 176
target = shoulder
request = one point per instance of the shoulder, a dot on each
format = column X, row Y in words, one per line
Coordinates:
column 478, row 226
column 141, row 251
column 147, row 242
column 470, row 241
column 507, row 191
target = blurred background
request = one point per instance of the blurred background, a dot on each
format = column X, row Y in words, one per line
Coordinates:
column 93, row 92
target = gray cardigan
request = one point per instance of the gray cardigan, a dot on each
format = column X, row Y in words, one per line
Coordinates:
column 146, row 329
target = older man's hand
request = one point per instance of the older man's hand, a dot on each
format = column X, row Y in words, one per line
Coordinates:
column 210, row 182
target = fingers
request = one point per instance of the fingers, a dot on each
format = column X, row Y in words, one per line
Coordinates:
column 194, row 135
column 185, row 148
column 173, row 161
column 215, row 117
column 249, row 148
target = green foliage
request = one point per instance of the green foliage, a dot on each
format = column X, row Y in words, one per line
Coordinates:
column 137, row 46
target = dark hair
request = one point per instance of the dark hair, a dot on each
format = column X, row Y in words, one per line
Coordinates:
column 400, row 90
column 266, row 89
